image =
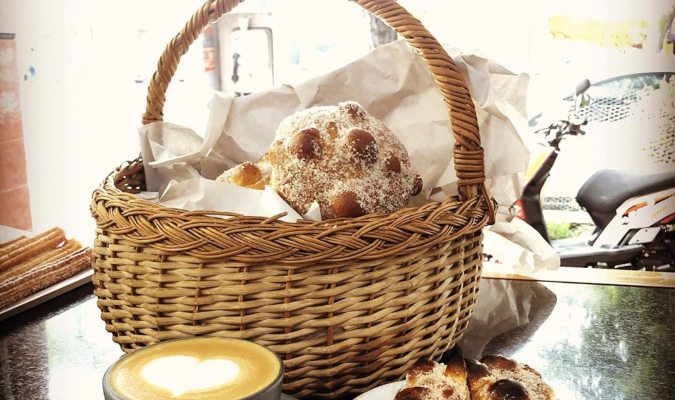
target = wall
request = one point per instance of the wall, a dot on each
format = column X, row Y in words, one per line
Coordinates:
column 82, row 108
column 14, row 196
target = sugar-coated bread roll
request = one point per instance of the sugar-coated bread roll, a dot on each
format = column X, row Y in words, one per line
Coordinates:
column 501, row 378
column 341, row 157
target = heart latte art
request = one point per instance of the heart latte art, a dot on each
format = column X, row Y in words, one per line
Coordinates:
column 200, row 368
column 183, row 374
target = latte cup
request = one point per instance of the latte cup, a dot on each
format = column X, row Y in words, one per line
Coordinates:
column 202, row 368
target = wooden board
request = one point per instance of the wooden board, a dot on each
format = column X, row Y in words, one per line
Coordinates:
column 586, row 275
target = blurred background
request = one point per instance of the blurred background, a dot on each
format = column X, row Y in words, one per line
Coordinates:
column 74, row 74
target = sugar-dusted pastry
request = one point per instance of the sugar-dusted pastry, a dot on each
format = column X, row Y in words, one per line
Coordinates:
column 435, row 381
column 501, row 378
column 341, row 157
column 247, row 175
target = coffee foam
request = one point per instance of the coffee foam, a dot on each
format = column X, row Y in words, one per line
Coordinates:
column 199, row 368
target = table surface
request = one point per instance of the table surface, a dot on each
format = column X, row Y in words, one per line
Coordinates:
column 588, row 341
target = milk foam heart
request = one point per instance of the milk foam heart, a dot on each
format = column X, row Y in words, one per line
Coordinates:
column 196, row 369
column 181, row 374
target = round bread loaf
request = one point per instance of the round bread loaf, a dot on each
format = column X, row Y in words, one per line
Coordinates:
column 339, row 156
column 343, row 158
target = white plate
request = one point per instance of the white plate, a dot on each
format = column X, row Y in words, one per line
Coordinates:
column 384, row 392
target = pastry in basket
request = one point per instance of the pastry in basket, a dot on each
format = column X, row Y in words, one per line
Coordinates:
column 435, row 381
column 247, row 175
column 340, row 156
column 501, row 378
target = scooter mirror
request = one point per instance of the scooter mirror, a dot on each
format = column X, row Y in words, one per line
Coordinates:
column 582, row 86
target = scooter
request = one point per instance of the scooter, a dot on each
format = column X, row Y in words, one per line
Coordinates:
column 634, row 215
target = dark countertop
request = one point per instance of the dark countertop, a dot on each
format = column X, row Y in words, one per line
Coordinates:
column 588, row 341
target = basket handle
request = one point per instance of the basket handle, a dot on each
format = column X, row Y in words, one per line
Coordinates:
column 468, row 152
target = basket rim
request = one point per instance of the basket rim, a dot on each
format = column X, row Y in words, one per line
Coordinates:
column 174, row 231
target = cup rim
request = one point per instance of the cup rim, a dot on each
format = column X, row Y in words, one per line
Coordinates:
column 108, row 390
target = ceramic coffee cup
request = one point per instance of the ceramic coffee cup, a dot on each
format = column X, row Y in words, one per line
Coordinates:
column 196, row 368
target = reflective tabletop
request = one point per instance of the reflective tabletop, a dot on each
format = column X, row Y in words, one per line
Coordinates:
column 588, row 341
column 597, row 342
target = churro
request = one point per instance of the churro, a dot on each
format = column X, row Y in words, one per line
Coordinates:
column 48, row 256
column 32, row 247
column 11, row 243
column 32, row 281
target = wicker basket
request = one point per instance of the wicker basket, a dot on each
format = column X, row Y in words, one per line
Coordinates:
column 347, row 304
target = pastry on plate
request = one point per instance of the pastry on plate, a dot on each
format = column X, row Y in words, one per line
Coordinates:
column 501, row 378
column 436, row 381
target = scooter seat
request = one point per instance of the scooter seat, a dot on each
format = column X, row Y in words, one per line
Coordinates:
column 606, row 190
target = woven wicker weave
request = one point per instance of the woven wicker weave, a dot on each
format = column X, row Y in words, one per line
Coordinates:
column 347, row 304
